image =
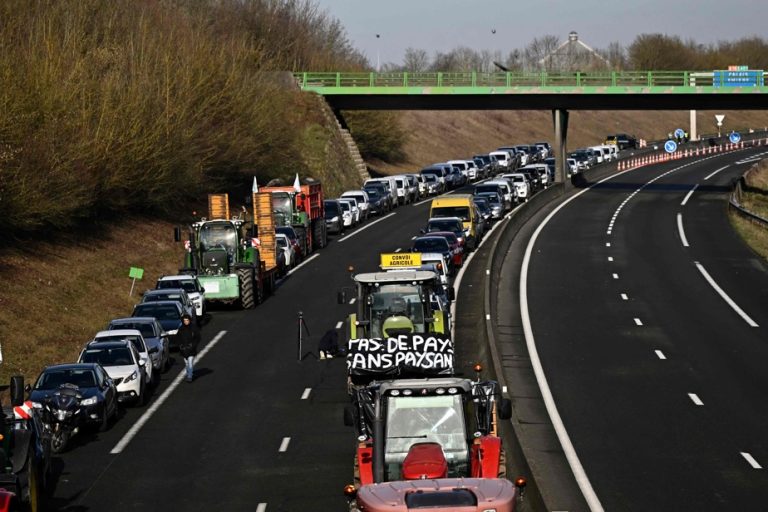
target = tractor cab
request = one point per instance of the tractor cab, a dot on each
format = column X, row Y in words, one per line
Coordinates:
column 219, row 245
column 394, row 303
column 415, row 429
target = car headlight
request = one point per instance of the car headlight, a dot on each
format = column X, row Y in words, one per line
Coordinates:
column 37, row 405
column 173, row 332
column 89, row 401
column 131, row 377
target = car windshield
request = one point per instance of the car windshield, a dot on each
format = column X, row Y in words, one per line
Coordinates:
column 153, row 297
column 144, row 328
column 289, row 232
column 501, row 156
column 345, row 206
column 479, row 189
column 282, row 205
column 430, row 177
column 482, row 206
column 159, row 311
column 425, row 419
column 373, row 195
column 461, row 212
column 52, row 379
column 188, row 285
column 431, row 244
column 331, row 210
column 444, row 225
column 492, row 198
column 282, row 242
column 135, row 341
column 115, row 356
column 396, row 300
column 218, row 234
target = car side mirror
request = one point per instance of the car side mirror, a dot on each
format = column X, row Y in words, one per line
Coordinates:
column 202, row 290
column 153, row 350
column 28, row 388
column 17, row 390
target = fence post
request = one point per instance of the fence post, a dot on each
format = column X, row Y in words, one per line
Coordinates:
column 474, row 79
column 405, row 79
column 650, row 79
column 371, row 80
column 613, row 78
column 439, row 79
column 338, row 79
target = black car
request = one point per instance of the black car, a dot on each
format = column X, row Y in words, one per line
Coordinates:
column 167, row 312
column 99, row 401
column 378, row 203
column 436, row 244
column 381, row 190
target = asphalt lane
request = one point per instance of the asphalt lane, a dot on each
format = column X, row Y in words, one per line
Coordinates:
column 657, row 379
column 257, row 428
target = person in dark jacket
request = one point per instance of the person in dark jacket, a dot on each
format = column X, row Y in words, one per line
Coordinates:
column 329, row 344
column 188, row 338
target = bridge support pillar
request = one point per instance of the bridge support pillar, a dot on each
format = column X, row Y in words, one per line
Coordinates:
column 560, row 118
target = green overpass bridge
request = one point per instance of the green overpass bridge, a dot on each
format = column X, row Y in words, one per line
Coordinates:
column 617, row 90
column 558, row 92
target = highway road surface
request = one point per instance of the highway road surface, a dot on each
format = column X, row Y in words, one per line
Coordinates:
column 649, row 316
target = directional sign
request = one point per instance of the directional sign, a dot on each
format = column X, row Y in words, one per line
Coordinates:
column 734, row 137
column 670, row 146
column 679, row 133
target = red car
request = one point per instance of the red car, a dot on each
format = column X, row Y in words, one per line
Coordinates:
column 457, row 248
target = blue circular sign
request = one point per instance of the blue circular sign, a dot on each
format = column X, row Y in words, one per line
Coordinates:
column 679, row 133
column 670, row 146
column 734, row 137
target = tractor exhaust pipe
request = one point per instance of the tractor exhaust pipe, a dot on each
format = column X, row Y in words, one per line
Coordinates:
column 378, row 443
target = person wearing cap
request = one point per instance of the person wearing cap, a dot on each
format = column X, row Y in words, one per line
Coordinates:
column 188, row 338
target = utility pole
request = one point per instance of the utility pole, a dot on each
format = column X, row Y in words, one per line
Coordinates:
column 378, row 56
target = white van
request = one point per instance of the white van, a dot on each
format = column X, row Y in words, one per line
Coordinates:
column 389, row 183
column 503, row 158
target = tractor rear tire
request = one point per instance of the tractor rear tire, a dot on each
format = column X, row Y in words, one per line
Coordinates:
column 34, row 494
column 260, row 291
column 246, row 281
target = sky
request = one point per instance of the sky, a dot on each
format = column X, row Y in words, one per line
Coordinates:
column 441, row 25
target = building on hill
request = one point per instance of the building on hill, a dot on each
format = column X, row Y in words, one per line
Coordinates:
column 574, row 55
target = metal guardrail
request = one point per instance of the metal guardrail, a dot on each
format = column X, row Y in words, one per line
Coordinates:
column 512, row 79
column 735, row 201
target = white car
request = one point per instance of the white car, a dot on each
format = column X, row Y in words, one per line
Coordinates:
column 190, row 284
column 284, row 244
column 422, row 181
column 539, row 170
column 403, row 190
column 573, row 165
column 352, row 202
column 503, row 158
column 509, row 193
column 347, row 216
column 139, row 343
column 363, row 201
column 520, row 182
column 123, row 365
column 462, row 166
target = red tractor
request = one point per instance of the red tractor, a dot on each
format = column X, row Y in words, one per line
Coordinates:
column 415, row 429
column 302, row 208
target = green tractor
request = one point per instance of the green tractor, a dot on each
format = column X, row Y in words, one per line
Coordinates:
column 235, row 262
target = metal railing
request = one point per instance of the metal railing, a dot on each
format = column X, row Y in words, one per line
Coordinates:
column 513, row 79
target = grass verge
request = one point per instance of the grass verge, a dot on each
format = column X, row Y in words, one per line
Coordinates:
column 756, row 201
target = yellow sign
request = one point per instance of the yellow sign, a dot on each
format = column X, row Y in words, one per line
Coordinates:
column 401, row 260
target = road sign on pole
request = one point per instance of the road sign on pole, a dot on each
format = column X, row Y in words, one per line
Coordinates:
column 670, row 146
column 734, row 137
column 679, row 133
column 135, row 273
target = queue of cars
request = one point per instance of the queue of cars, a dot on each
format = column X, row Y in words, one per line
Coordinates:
column 120, row 365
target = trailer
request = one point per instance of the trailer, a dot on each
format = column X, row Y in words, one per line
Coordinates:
column 301, row 206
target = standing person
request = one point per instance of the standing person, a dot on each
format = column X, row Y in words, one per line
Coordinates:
column 189, row 338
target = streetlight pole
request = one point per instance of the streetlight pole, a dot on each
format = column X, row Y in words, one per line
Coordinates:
column 378, row 57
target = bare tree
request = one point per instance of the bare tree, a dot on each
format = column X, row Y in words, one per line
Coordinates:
column 538, row 49
column 415, row 59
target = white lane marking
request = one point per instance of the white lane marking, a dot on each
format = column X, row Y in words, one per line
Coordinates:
column 422, row 202
column 624, row 296
column 607, row 244
column 717, row 171
column 615, row 276
column 339, row 324
column 353, row 300
column 725, row 296
column 751, row 460
column 503, row 389
column 120, row 446
column 398, row 249
column 557, row 422
column 365, row 227
column 306, row 393
column 638, row 322
column 487, row 272
column 681, row 230
column 688, row 195
column 660, row 354
column 695, row 399
column 297, row 267
column 610, row 258
column 487, row 317
column 284, row 445
column 261, row 507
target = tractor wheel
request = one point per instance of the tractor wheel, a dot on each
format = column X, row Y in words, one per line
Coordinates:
column 502, row 464
column 245, row 278
column 31, row 497
column 260, row 290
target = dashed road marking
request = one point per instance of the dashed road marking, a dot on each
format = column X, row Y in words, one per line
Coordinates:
column 624, row 296
column 365, row 227
column 398, row 249
column 261, row 507
column 695, row 399
column 751, row 460
column 725, row 296
column 607, row 244
column 717, row 171
column 487, row 317
column 297, row 267
column 353, row 300
column 284, row 445
column 688, row 195
column 681, row 230
column 610, row 258
column 660, row 354
column 306, row 393
column 638, row 322
column 339, row 324
column 615, row 276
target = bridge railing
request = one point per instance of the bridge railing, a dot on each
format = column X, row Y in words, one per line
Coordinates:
column 511, row 79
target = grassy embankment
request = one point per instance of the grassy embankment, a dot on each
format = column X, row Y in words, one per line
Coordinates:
column 756, row 201
column 117, row 119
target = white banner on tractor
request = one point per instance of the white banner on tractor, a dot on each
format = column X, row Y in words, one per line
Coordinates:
column 408, row 352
